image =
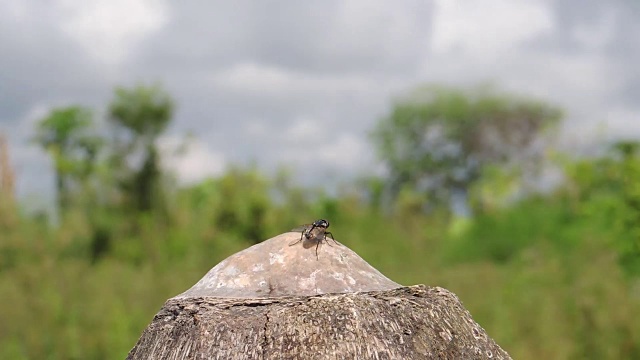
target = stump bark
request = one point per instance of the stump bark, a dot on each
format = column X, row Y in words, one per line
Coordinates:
column 275, row 301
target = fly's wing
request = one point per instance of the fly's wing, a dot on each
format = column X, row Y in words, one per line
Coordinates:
column 302, row 228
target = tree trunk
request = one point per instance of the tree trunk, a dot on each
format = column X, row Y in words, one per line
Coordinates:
column 274, row 301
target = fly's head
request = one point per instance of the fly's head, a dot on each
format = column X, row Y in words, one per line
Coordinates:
column 322, row 223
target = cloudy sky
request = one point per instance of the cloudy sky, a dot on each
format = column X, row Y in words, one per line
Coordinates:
column 300, row 83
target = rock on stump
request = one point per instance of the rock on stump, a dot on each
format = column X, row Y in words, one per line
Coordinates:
column 275, row 301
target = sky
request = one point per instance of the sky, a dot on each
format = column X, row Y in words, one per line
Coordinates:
column 300, row 84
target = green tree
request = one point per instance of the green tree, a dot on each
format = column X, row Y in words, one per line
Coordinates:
column 139, row 116
column 607, row 190
column 439, row 140
column 66, row 135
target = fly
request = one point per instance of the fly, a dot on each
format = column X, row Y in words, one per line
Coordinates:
column 316, row 231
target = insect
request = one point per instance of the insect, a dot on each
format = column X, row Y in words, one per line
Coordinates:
column 316, row 231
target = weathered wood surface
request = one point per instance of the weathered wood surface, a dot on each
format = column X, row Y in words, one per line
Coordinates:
column 273, row 301
column 273, row 268
column 415, row 322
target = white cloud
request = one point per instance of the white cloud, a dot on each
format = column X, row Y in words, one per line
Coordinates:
column 487, row 27
column 109, row 29
column 256, row 128
column 267, row 81
column 622, row 123
column 17, row 10
column 303, row 129
column 593, row 137
column 598, row 34
column 476, row 41
column 375, row 32
column 191, row 160
column 322, row 149
column 575, row 80
column 347, row 152
column 300, row 85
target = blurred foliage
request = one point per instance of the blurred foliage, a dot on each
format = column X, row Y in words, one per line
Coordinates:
column 440, row 140
column 608, row 190
column 139, row 116
column 66, row 134
column 551, row 275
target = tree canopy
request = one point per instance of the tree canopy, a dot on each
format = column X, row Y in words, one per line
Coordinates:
column 439, row 140
column 139, row 116
column 66, row 135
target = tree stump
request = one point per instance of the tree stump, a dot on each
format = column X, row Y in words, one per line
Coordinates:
column 275, row 301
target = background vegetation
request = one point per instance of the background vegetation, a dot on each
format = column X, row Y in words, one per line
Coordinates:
column 549, row 272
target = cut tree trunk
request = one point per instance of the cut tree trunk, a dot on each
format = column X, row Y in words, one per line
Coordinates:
column 275, row 301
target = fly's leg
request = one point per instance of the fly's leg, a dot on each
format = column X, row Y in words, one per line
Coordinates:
column 330, row 237
column 327, row 241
